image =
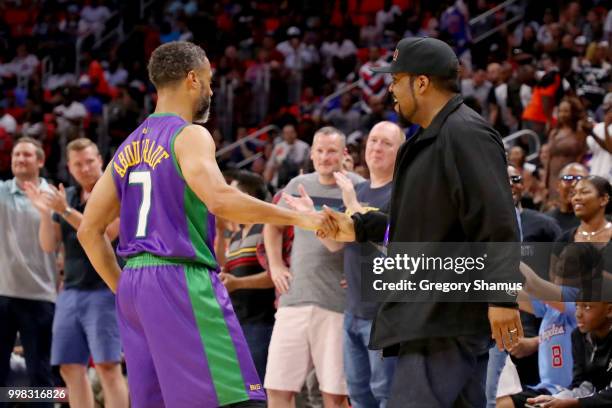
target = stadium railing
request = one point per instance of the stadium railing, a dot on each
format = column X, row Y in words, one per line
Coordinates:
column 520, row 134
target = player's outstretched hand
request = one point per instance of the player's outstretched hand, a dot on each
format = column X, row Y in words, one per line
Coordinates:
column 338, row 226
column 316, row 221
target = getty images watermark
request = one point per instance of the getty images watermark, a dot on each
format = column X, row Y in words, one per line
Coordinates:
column 481, row 272
column 423, row 264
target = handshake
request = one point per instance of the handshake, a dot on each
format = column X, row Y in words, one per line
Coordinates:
column 326, row 223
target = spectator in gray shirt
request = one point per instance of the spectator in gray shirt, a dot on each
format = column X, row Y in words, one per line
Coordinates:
column 308, row 328
column 28, row 275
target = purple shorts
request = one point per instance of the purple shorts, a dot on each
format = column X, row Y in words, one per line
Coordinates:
column 183, row 344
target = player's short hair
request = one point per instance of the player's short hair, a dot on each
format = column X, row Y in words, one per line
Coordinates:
column 172, row 61
column 80, row 144
column 40, row 153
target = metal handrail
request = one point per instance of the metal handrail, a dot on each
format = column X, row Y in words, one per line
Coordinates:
column 245, row 139
column 487, row 13
column 248, row 160
column 117, row 31
column 339, row 92
column 498, row 28
column 521, row 133
column 144, row 5
column 505, row 5
column 46, row 69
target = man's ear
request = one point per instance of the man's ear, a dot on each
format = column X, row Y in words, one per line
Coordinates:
column 192, row 79
column 422, row 83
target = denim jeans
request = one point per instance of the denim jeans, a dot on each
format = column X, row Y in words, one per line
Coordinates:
column 368, row 375
column 497, row 360
column 258, row 338
column 441, row 373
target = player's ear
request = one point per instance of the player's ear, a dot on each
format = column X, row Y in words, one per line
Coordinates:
column 192, row 79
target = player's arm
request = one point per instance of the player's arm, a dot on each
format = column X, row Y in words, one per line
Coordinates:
column 101, row 211
column 195, row 153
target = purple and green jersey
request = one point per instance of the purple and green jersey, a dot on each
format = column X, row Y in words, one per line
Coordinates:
column 160, row 214
column 183, row 344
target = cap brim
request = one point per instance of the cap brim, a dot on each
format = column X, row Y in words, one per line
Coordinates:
column 384, row 70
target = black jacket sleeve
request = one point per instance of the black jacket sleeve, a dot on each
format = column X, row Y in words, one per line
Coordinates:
column 578, row 355
column 475, row 167
column 600, row 400
column 370, row 226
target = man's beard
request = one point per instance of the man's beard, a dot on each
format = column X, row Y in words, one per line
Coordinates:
column 203, row 111
column 407, row 118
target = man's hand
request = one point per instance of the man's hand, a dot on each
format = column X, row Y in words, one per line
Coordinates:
column 303, row 203
column 230, row 282
column 37, row 197
column 338, row 226
column 281, row 277
column 506, row 327
column 525, row 347
column 548, row 401
column 57, row 199
column 349, row 197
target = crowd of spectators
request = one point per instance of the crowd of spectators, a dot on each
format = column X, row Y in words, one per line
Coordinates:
column 77, row 69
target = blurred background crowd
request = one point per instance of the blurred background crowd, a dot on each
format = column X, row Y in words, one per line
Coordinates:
column 70, row 69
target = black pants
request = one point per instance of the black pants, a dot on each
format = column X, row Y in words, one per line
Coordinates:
column 441, row 373
column 33, row 319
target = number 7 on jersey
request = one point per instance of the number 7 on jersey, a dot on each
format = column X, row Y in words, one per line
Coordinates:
column 144, row 178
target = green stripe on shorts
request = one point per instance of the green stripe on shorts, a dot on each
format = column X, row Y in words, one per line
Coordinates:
column 218, row 344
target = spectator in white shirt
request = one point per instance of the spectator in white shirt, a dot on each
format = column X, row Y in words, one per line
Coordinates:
column 339, row 55
column 288, row 157
column 70, row 116
column 298, row 55
column 7, row 122
column 600, row 144
column 387, row 15
column 24, row 63
column 93, row 19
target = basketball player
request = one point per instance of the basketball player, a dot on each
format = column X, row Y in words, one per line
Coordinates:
column 182, row 342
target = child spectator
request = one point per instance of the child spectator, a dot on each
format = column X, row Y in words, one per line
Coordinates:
column 592, row 351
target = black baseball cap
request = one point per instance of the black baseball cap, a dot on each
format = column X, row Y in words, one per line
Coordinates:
column 423, row 56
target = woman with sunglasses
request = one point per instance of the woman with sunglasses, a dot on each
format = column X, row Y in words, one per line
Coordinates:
column 562, row 210
column 567, row 140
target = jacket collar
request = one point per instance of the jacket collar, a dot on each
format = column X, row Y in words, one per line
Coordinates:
column 434, row 127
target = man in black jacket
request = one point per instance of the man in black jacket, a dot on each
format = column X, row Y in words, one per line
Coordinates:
column 450, row 185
